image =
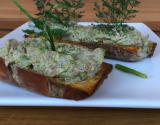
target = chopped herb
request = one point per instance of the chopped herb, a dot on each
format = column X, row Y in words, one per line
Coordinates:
column 34, row 40
column 61, row 46
column 103, row 50
column 42, row 50
column 24, row 57
column 73, row 62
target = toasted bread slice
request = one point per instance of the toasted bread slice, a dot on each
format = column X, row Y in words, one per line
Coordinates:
column 127, row 46
column 118, row 52
column 49, row 86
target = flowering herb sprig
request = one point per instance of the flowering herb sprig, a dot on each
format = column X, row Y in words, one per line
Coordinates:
column 116, row 12
column 62, row 12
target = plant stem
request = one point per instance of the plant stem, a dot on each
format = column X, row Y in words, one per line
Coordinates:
column 17, row 4
column 50, row 38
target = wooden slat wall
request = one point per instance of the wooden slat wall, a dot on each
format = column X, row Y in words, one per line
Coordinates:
column 11, row 17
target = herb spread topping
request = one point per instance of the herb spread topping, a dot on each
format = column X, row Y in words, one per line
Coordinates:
column 92, row 34
column 68, row 63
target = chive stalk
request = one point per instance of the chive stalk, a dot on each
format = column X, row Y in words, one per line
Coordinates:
column 50, row 38
column 129, row 70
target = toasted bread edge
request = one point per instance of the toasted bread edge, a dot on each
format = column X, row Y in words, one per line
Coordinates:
column 41, row 84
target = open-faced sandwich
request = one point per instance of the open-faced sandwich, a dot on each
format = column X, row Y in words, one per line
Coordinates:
column 127, row 46
column 70, row 72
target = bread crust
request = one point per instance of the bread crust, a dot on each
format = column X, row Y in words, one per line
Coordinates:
column 6, row 74
column 47, row 86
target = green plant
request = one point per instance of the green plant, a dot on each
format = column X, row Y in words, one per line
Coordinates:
column 62, row 12
column 42, row 24
column 116, row 12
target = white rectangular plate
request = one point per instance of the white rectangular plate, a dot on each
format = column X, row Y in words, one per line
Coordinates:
column 120, row 89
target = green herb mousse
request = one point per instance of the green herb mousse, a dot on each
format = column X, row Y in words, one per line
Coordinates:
column 69, row 63
column 95, row 34
column 128, row 37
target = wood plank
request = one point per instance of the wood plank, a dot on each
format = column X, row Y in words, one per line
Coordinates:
column 11, row 24
column 157, row 33
column 155, row 26
column 4, row 32
column 78, row 116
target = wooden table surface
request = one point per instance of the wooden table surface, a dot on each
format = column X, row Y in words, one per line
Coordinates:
column 11, row 18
